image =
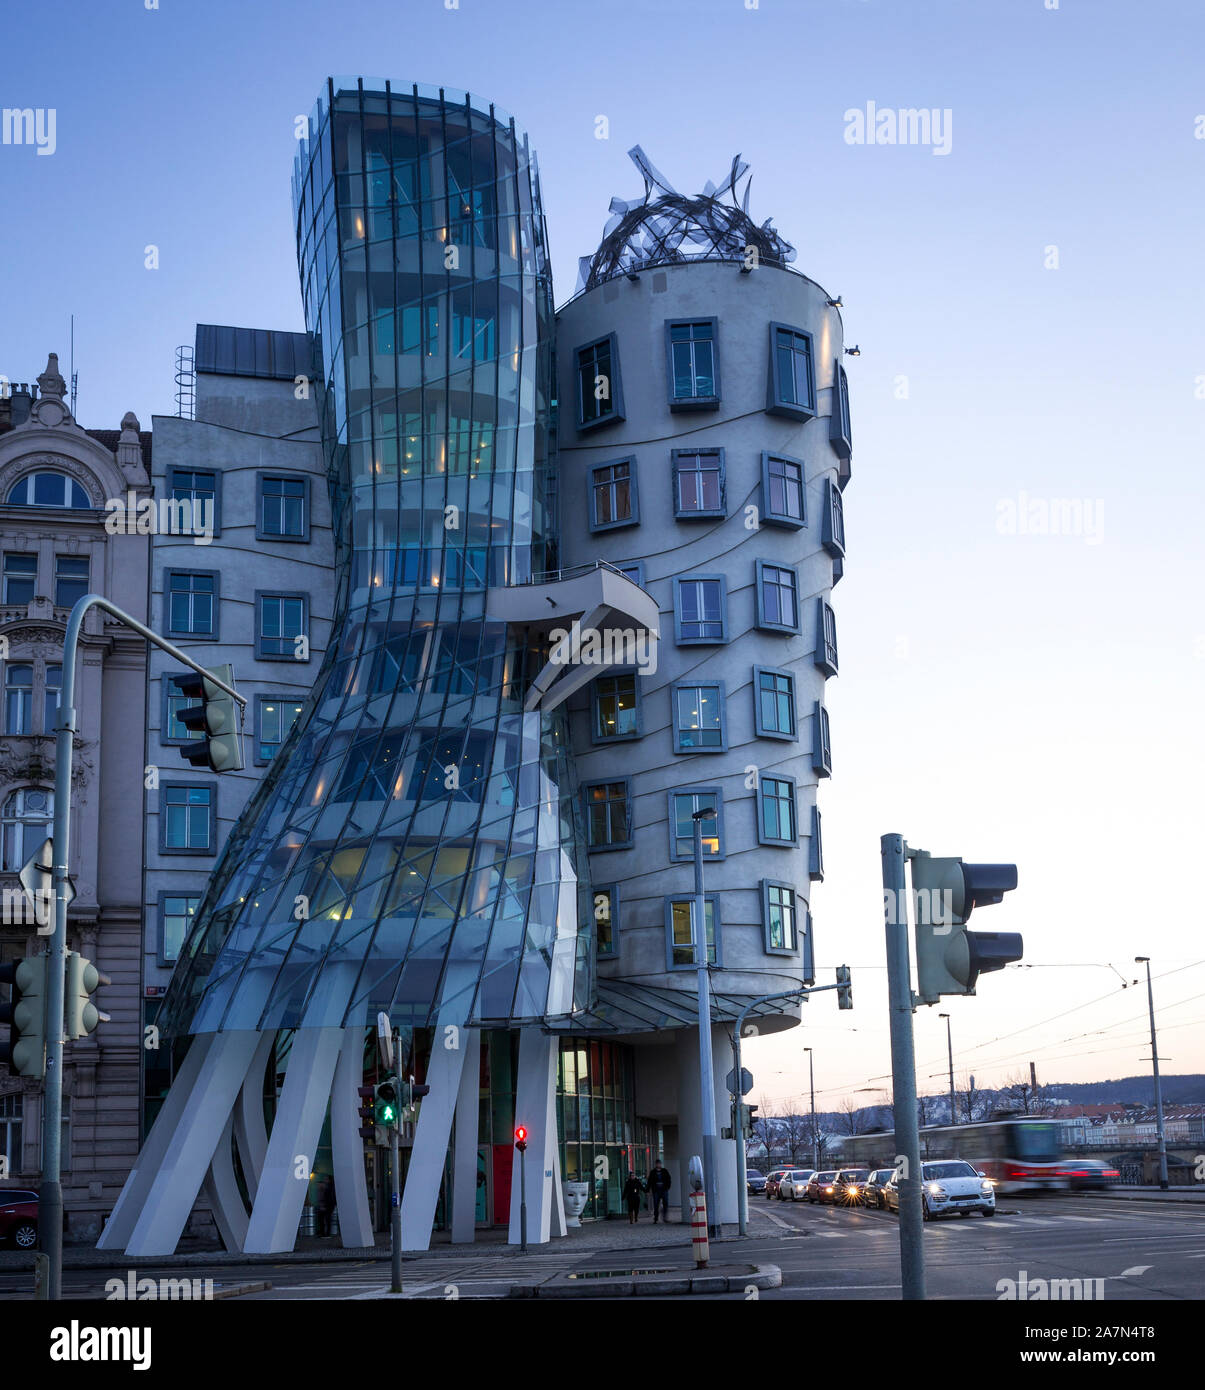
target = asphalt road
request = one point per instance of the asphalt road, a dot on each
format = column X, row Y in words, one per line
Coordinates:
column 1142, row 1250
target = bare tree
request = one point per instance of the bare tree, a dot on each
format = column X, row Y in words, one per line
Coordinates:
column 796, row 1134
column 974, row 1101
column 1020, row 1089
column 849, row 1110
column 765, row 1128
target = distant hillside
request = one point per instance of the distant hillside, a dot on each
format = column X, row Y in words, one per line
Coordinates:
column 1129, row 1090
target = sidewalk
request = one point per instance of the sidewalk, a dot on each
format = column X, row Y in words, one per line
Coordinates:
column 1194, row 1194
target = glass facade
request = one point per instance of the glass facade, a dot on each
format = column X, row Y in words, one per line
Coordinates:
column 419, row 852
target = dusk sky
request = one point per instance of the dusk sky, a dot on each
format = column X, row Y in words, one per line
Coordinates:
column 1028, row 306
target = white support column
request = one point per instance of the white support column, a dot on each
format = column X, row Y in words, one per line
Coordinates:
column 250, row 1127
column 221, row 1188
column 429, row 1154
column 120, row 1226
column 535, row 1099
column 281, row 1193
column 464, row 1153
column 204, row 1109
column 347, row 1148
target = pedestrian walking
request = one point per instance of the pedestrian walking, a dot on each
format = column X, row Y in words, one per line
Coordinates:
column 324, row 1204
column 633, row 1195
column 659, row 1185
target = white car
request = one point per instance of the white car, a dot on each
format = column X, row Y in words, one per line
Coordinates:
column 950, row 1185
column 793, row 1185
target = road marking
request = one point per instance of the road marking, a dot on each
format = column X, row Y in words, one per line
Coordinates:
column 1093, row 1220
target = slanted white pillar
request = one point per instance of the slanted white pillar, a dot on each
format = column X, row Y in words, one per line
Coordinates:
column 280, row 1196
column 464, row 1153
column 222, row 1190
column 203, row 1110
column 535, row 1101
column 347, row 1148
column 429, row 1154
column 250, row 1127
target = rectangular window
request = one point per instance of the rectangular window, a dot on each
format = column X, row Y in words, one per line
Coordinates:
column 682, row 806
column 50, row 698
column 822, row 751
column 613, row 498
column 608, row 815
column 679, row 931
column 792, row 386
column 599, row 397
column 70, row 579
column 815, row 848
column 774, row 708
column 839, row 433
column 615, row 707
column 779, row 916
column 699, row 717
column 11, row 1107
column 188, row 820
column 280, row 620
column 18, row 698
column 833, row 531
column 283, row 508
column 701, row 609
column 634, row 569
column 694, row 377
column 192, row 603
column 825, row 652
column 698, row 483
column 201, row 490
column 783, row 500
column 20, row 577
column 776, row 811
column 275, row 718
column 176, row 912
column 606, row 920
column 777, row 597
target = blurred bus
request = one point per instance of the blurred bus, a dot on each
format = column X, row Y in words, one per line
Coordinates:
column 1019, row 1153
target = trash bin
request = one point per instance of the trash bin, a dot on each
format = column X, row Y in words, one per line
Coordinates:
column 309, row 1221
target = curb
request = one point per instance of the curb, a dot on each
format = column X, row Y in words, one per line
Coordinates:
column 758, row 1277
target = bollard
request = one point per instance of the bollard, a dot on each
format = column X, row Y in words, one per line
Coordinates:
column 41, row 1276
column 698, row 1229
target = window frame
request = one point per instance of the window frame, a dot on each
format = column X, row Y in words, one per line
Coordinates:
column 711, row 900
column 686, row 403
column 59, row 557
column 626, row 783
column 597, row 526
column 671, row 819
column 166, row 681
column 763, row 838
column 759, row 726
column 679, row 639
column 182, row 633
column 26, row 704
column 766, row 884
column 719, row 513
column 824, row 653
column 616, row 413
column 675, row 729
column 840, row 432
column 30, row 575
column 624, row 565
column 188, row 851
column 260, row 654
column 605, row 740
column 260, row 534
column 160, row 918
column 762, row 622
column 768, row 514
column 612, row 889
column 776, row 403
column 170, row 489
column 832, row 533
column 260, row 700
column 815, row 848
column 822, row 741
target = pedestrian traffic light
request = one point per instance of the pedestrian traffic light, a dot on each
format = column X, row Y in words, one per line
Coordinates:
column 845, row 989
column 215, row 717
column 80, row 1014
column 367, row 1111
column 521, row 1137
column 25, row 1013
column 949, row 958
column 387, row 1110
column 412, row 1091
column 747, row 1120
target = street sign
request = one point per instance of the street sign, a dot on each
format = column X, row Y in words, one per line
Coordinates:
column 746, row 1081
column 37, row 878
column 385, row 1040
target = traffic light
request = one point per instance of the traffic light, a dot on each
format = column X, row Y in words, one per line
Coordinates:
column 367, row 1111
column 25, row 1014
column 949, row 958
column 215, row 717
column 387, row 1110
column 80, row 1014
column 521, row 1137
column 845, row 989
column 412, row 1091
column 747, row 1120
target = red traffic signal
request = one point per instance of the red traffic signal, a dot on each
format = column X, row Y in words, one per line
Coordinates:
column 367, row 1111
column 520, row 1137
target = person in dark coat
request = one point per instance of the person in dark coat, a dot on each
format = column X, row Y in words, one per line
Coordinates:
column 633, row 1195
column 324, row 1204
column 659, row 1185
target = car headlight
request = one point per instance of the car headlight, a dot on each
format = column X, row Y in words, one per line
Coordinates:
column 828, row 1189
column 985, row 1186
column 937, row 1190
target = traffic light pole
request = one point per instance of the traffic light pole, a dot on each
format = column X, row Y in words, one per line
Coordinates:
column 903, row 1066
column 706, row 1077
column 395, row 1212
column 50, row 1221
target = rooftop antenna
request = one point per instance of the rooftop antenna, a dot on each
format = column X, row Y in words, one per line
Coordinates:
column 74, row 373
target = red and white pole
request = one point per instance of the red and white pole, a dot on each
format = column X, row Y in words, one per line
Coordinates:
column 698, row 1228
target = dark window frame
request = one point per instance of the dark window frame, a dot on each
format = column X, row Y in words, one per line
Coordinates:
column 260, row 654
column 840, row 430
column 765, row 886
column 604, row 740
column 260, row 701
column 616, row 412
column 721, row 833
column 160, row 920
column 776, row 402
column 689, row 683
column 684, row 403
column 711, row 900
column 183, row 633
column 626, row 783
column 762, row 730
column 763, row 837
column 767, row 624
column 262, row 535
column 679, row 639
column 824, row 653
column 718, row 513
column 833, row 528
column 612, row 890
column 188, row 851
column 815, row 849
column 768, row 514
column 170, row 489
column 822, row 741
column 633, row 519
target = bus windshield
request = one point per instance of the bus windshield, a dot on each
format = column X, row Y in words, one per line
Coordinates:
column 1035, row 1141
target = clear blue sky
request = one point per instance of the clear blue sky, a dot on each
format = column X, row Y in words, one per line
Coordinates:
column 1027, row 697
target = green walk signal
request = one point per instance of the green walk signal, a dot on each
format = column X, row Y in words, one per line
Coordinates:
column 387, row 1110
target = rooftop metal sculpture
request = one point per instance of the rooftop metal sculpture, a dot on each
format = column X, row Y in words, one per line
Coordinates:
column 666, row 227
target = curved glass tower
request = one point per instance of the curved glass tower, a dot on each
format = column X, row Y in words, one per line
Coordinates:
column 416, row 847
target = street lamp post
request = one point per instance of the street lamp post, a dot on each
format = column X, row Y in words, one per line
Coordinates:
column 950, row 1050
column 706, row 1078
column 812, row 1089
column 1150, row 999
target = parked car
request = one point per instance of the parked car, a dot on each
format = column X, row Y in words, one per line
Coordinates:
column 19, row 1217
column 755, row 1182
column 851, row 1186
column 1091, row 1172
column 948, row 1187
column 821, row 1187
column 794, row 1184
column 773, row 1179
column 873, row 1192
